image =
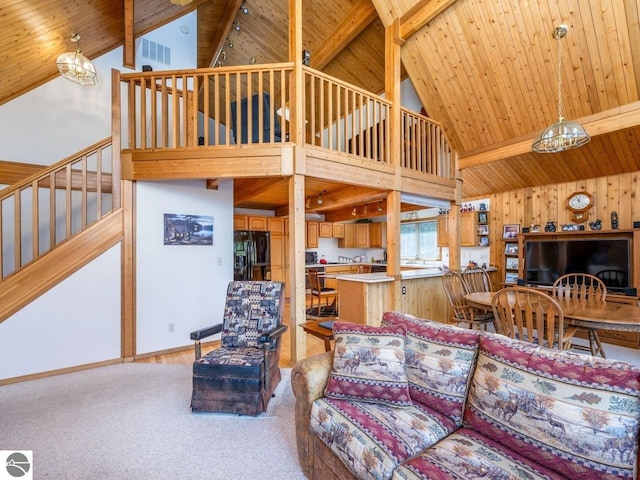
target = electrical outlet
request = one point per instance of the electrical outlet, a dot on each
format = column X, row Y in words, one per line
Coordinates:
column 219, row 261
column 404, row 290
column 172, row 327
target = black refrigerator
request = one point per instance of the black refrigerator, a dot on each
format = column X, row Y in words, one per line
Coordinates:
column 251, row 255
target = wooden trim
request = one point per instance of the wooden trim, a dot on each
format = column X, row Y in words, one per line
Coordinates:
column 421, row 14
column 128, row 271
column 60, row 371
column 129, row 50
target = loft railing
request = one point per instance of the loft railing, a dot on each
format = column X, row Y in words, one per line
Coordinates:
column 49, row 207
column 345, row 118
column 424, row 146
column 178, row 109
column 226, row 106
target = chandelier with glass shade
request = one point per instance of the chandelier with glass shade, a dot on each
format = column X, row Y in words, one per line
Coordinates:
column 76, row 67
column 564, row 134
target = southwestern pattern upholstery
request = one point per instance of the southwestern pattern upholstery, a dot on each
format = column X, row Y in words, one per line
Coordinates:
column 241, row 375
column 526, row 412
column 369, row 364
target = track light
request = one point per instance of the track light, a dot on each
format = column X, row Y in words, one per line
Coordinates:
column 353, row 212
column 236, row 26
column 380, row 206
column 366, row 209
column 230, row 43
column 244, row 9
column 319, row 200
column 223, row 54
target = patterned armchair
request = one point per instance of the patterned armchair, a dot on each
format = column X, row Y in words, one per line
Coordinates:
column 241, row 375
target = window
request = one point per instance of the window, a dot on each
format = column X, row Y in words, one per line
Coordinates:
column 419, row 241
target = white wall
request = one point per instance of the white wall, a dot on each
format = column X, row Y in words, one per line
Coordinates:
column 78, row 322
column 75, row 323
column 180, row 285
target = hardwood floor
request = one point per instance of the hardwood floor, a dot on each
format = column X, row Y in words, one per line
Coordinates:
column 186, row 356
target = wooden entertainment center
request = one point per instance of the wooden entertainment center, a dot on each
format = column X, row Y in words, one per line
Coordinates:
column 625, row 339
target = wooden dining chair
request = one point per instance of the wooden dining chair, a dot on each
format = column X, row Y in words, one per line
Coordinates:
column 588, row 288
column 477, row 280
column 529, row 315
column 318, row 291
column 461, row 312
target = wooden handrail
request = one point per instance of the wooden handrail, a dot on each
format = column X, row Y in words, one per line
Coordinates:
column 49, row 207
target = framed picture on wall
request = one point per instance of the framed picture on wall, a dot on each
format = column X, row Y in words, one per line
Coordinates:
column 510, row 230
column 483, row 229
column 483, row 242
column 511, row 277
column 181, row 229
column 511, row 249
column 512, row 263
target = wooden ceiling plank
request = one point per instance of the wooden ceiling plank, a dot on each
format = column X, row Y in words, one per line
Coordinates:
column 360, row 17
column 421, row 14
column 223, row 32
column 246, row 189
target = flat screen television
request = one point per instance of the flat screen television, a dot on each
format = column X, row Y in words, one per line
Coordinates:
column 609, row 259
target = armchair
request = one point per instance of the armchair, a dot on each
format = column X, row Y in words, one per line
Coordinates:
column 241, row 376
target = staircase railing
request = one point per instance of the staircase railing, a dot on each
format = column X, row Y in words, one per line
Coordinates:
column 48, row 208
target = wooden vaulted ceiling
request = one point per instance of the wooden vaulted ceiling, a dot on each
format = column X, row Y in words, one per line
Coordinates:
column 485, row 69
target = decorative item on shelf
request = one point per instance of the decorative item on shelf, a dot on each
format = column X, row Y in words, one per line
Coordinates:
column 511, row 249
column 569, row 227
column 614, row 221
column 579, row 204
column 596, row 224
column 562, row 135
column 534, row 228
column 483, row 207
column 550, row 226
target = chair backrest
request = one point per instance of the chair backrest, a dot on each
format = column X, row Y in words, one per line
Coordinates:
column 580, row 285
column 254, row 129
column 455, row 289
column 477, row 280
column 364, row 269
column 251, row 309
column 314, row 280
column 613, row 278
column 529, row 315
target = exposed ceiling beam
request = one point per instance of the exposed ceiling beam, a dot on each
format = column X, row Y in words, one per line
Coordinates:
column 129, row 50
column 619, row 118
column 348, row 196
column 230, row 15
column 360, row 17
column 12, row 172
column 421, row 14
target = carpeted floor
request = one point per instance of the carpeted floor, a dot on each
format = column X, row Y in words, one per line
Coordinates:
column 132, row 421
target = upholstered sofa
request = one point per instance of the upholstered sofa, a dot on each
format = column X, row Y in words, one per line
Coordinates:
column 415, row 399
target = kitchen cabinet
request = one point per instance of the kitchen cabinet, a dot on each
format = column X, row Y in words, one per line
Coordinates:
column 362, row 235
column 275, row 225
column 468, row 230
column 325, row 229
column 240, row 222
column 376, row 235
column 258, row 224
column 312, row 234
column 349, row 239
column 337, row 230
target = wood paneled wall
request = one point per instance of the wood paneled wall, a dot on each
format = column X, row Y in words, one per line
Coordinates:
column 539, row 205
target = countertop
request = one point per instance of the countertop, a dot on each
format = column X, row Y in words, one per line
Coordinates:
column 383, row 277
column 354, row 264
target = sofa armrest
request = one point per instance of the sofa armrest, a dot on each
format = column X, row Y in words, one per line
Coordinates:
column 309, row 379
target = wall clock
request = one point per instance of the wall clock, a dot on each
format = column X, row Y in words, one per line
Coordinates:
column 579, row 204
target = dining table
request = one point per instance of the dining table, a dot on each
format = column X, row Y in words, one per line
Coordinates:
column 581, row 313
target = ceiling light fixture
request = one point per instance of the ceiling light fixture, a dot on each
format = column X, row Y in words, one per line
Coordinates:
column 244, row 9
column 319, row 200
column 380, row 206
column 230, row 43
column 562, row 135
column 353, row 212
column 76, row 67
column 236, row 26
column 307, row 203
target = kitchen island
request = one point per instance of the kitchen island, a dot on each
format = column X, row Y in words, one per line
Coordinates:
column 363, row 298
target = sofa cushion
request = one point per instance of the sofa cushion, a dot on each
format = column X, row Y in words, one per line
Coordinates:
column 368, row 364
column 576, row 414
column 439, row 362
column 467, row 454
column 371, row 439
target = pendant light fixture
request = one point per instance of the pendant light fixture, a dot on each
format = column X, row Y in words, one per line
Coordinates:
column 76, row 67
column 563, row 134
